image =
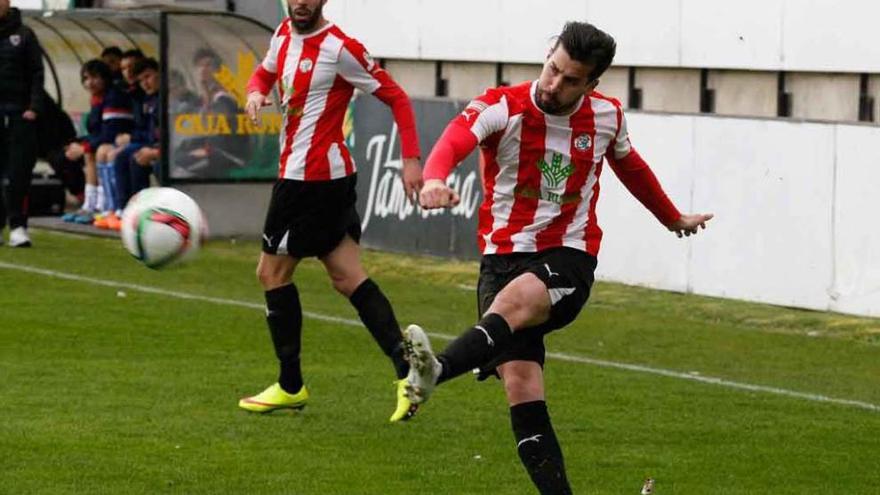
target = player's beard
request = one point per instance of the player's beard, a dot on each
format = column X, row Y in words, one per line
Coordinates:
column 550, row 104
column 308, row 24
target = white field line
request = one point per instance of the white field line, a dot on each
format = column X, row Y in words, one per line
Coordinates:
column 356, row 323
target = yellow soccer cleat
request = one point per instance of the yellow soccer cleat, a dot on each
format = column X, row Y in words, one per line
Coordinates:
column 405, row 409
column 274, row 398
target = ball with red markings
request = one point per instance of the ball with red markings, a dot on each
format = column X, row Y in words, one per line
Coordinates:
column 162, row 226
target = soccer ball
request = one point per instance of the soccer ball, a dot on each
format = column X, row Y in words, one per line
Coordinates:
column 162, row 226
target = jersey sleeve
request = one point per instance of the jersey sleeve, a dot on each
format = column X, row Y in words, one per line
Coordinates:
column 622, row 145
column 270, row 61
column 266, row 73
column 485, row 115
column 361, row 71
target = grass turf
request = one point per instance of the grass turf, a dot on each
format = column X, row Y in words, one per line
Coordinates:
column 136, row 394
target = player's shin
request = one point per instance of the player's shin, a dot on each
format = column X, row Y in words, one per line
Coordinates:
column 284, row 317
column 538, row 448
column 475, row 347
column 378, row 316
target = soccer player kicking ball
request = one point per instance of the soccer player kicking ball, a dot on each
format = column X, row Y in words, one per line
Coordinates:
column 543, row 144
column 312, row 210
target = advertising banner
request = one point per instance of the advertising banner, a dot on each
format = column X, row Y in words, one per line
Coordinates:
column 211, row 58
column 388, row 220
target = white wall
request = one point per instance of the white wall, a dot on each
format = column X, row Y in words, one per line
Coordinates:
column 794, row 205
column 791, row 35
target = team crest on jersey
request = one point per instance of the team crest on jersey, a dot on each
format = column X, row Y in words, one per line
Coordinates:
column 15, row 40
column 583, row 142
column 306, row 65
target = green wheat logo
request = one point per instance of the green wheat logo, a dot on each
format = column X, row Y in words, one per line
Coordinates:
column 555, row 172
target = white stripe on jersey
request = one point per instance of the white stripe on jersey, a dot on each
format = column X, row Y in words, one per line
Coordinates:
column 337, row 163
column 505, row 181
column 490, row 120
column 316, row 102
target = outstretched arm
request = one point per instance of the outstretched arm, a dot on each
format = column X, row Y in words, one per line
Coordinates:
column 637, row 177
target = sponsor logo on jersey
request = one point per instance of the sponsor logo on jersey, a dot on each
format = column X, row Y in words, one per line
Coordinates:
column 555, row 173
column 583, row 142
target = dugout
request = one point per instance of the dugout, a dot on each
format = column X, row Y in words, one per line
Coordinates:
column 209, row 148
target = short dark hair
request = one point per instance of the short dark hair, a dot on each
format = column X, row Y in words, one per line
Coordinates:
column 112, row 50
column 209, row 53
column 588, row 45
column 98, row 68
column 133, row 53
column 145, row 64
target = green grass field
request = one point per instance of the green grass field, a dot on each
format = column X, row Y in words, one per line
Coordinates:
column 137, row 394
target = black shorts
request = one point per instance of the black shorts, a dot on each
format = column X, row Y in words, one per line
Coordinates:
column 568, row 274
column 310, row 218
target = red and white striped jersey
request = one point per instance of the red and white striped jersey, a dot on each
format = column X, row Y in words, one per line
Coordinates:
column 316, row 75
column 541, row 171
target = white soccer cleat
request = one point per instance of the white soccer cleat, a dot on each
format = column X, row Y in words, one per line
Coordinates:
column 424, row 369
column 18, row 237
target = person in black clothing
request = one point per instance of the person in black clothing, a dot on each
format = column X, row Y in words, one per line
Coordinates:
column 55, row 131
column 21, row 100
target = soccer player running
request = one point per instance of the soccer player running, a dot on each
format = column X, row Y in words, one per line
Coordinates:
column 312, row 210
column 543, row 143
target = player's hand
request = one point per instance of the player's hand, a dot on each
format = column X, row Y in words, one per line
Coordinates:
column 29, row 115
column 690, row 224
column 255, row 101
column 412, row 178
column 146, row 156
column 74, row 151
column 123, row 140
column 436, row 194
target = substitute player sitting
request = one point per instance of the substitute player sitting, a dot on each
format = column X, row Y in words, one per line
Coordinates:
column 543, row 144
column 312, row 210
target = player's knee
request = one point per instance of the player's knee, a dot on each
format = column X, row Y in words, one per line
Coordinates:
column 515, row 307
column 345, row 284
column 272, row 277
column 521, row 388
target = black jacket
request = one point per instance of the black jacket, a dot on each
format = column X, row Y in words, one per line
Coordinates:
column 21, row 64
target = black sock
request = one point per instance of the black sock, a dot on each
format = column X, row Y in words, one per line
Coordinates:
column 378, row 316
column 284, row 316
column 538, row 448
column 475, row 347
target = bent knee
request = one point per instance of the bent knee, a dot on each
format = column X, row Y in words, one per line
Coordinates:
column 521, row 388
column 273, row 277
column 346, row 285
